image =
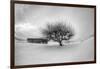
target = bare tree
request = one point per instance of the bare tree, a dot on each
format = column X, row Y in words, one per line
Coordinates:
column 58, row 32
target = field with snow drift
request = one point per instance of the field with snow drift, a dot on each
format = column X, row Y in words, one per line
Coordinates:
column 31, row 53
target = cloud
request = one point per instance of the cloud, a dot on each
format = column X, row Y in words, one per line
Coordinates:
column 27, row 30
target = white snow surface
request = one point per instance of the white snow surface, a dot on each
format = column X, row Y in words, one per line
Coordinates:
column 32, row 53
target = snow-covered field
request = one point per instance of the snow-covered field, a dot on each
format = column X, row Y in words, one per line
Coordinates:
column 31, row 53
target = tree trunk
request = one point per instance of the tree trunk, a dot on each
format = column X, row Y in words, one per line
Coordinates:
column 60, row 43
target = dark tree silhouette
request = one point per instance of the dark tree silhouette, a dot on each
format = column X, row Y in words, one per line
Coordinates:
column 58, row 32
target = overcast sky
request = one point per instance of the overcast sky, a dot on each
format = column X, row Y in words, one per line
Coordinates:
column 30, row 19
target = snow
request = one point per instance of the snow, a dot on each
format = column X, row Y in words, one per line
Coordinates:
column 32, row 53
